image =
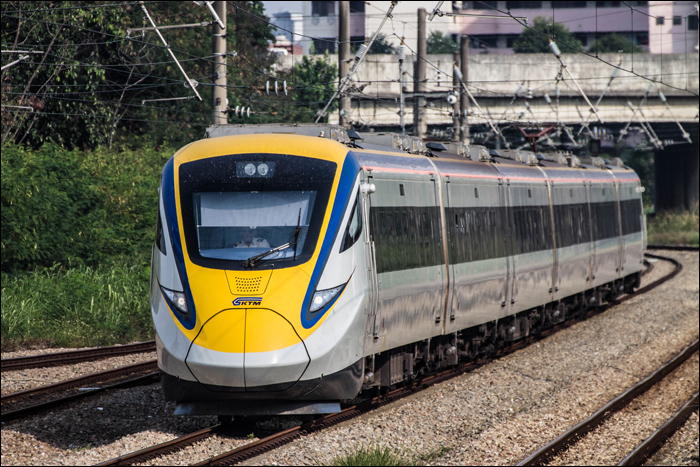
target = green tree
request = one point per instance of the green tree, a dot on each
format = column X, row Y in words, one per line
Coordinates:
column 535, row 40
column 313, row 81
column 88, row 84
column 613, row 43
column 441, row 44
column 379, row 46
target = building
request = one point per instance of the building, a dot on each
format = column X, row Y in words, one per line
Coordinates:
column 659, row 27
column 291, row 25
column 321, row 23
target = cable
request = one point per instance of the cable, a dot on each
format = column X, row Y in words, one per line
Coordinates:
column 587, row 54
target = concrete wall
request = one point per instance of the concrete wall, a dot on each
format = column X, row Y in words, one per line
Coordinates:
column 494, row 80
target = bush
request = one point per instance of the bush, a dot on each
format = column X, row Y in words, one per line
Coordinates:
column 76, row 307
column 73, row 207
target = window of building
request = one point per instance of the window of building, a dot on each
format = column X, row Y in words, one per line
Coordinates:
column 530, row 5
column 322, row 46
column 608, row 4
column 561, row 5
column 322, row 8
column 677, row 20
column 643, row 38
column 484, row 42
column 357, row 7
column 484, row 5
column 693, row 22
column 510, row 41
column 583, row 38
column 659, row 20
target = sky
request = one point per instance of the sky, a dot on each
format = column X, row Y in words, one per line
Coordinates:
column 276, row 7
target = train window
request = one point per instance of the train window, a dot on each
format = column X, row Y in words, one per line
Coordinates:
column 401, row 189
column 529, row 193
column 160, row 234
column 603, row 191
column 354, row 229
column 476, row 192
column 571, row 192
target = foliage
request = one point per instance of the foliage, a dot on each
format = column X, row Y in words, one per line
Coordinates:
column 88, row 85
column 613, row 43
column 314, row 84
column 642, row 162
column 73, row 207
column 76, row 307
column 384, row 456
column 674, row 228
column 441, row 44
column 379, row 46
column 535, row 40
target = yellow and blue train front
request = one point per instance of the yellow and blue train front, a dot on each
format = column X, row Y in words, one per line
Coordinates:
column 253, row 294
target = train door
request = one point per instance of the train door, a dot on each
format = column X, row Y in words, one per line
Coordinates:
column 508, row 298
column 366, row 189
column 593, row 224
column 439, row 235
column 618, row 194
column 450, row 308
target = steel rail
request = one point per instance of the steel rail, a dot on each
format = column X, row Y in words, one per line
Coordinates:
column 571, row 436
column 139, row 368
column 148, row 378
column 261, row 446
column 74, row 356
column 653, row 443
column 673, row 247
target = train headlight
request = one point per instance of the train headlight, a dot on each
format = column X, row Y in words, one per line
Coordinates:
column 322, row 297
column 177, row 299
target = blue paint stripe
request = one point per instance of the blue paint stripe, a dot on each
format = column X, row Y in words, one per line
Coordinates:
column 347, row 178
column 168, row 187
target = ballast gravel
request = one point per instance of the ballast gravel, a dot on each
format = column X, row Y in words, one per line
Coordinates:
column 19, row 380
column 497, row 414
column 683, row 448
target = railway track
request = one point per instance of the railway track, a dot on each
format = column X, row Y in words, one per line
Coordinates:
column 274, row 441
column 569, row 438
column 22, row 403
column 74, row 356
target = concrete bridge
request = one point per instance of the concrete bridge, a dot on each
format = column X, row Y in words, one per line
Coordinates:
column 511, row 91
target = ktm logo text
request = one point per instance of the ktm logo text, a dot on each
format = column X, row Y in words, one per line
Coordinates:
column 247, row 301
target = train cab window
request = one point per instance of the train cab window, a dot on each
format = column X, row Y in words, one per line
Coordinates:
column 529, row 193
column 401, row 190
column 160, row 234
column 354, row 228
column 603, row 191
column 476, row 192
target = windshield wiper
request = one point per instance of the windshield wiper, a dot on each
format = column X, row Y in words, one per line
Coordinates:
column 250, row 262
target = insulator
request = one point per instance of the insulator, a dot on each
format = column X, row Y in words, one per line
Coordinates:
column 237, row 107
column 661, row 96
column 556, row 91
column 614, row 73
column 629, row 104
column 277, row 92
column 519, row 91
column 458, row 73
column 402, row 52
column 546, row 97
column 267, row 87
column 529, row 94
column 554, row 48
column 650, row 87
column 361, row 52
column 284, row 86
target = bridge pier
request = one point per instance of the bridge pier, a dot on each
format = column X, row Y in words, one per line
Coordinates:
column 676, row 169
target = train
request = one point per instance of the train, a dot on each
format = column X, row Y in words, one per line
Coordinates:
column 296, row 266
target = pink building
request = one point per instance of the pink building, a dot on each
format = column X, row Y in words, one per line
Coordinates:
column 586, row 20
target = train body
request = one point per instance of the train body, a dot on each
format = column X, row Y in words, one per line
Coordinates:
column 385, row 264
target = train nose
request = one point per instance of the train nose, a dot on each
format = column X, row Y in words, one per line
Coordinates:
column 250, row 350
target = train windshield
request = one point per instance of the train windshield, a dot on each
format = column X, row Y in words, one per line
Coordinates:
column 241, row 205
column 236, row 226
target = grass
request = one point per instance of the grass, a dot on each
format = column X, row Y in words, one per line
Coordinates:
column 673, row 228
column 384, row 456
column 76, row 307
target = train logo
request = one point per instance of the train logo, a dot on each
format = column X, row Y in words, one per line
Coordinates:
column 247, row 301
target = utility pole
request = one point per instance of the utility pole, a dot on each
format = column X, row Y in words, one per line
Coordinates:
column 456, row 88
column 402, row 89
column 463, row 98
column 219, row 102
column 344, row 58
column 420, row 123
